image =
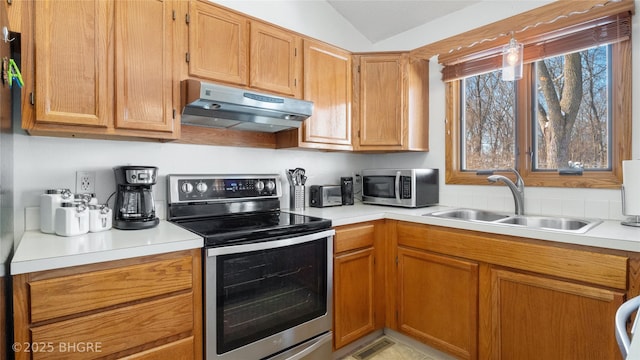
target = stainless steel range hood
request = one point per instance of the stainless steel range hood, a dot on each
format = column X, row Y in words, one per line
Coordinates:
column 218, row 106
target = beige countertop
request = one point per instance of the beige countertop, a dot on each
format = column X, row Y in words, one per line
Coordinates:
column 609, row 234
column 38, row 251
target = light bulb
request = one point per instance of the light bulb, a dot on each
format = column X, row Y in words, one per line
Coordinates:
column 513, row 56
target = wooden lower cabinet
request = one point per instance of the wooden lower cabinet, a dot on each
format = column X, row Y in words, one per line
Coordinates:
column 536, row 317
column 483, row 296
column 140, row 308
column 438, row 301
column 358, row 287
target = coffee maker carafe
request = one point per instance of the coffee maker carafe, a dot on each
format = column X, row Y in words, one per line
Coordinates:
column 135, row 208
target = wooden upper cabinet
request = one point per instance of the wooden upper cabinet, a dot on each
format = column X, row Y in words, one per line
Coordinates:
column 275, row 61
column 391, row 103
column 382, row 101
column 73, row 67
column 225, row 46
column 218, row 44
column 14, row 12
column 327, row 82
column 145, row 67
column 101, row 68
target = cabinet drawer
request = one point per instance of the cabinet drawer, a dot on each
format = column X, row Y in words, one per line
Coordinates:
column 117, row 330
column 178, row 350
column 353, row 237
column 73, row 294
column 518, row 253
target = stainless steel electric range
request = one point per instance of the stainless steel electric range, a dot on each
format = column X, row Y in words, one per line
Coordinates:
column 267, row 273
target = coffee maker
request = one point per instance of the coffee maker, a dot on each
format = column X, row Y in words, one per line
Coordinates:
column 135, row 208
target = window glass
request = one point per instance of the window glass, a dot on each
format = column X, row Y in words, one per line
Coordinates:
column 488, row 122
column 572, row 119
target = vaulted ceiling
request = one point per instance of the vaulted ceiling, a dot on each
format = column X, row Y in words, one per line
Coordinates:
column 381, row 19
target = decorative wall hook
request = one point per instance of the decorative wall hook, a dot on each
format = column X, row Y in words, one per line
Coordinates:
column 5, row 35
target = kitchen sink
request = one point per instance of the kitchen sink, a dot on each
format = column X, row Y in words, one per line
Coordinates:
column 531, row 222
column 469, row 214
column 554, row 223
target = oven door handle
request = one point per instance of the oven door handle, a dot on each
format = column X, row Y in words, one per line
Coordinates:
column 236, row 249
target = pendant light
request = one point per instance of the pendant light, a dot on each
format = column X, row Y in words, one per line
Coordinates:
column 512, row 55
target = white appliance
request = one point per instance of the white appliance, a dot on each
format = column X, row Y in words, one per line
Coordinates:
column 631, row 192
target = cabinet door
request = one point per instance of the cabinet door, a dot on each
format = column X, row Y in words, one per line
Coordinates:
column 327, row 82
column 144, row 65
column 218, row 44
column 535, row 317
column 274, row 60
column 381, row 101
column 354, row 282
column 73, row 67
column 438, row 301
column 14, row 12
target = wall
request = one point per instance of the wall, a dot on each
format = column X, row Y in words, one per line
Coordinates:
column 310, row 17
column 43, row 162
column 48, row 162
column 551, row 201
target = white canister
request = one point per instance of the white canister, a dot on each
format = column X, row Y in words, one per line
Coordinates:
column 100, row 218
column 94, row 199
column 49, row 202
column 71, row 220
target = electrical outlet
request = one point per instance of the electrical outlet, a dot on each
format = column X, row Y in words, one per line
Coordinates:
column 85, row 182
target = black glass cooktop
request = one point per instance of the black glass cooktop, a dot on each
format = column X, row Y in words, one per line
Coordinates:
column 253, row 227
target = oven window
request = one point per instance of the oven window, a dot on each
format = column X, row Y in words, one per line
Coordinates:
column 264, row 292
column 379, row 186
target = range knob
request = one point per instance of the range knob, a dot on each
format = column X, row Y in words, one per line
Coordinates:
column 271, row 185
column 259, row 185
column 201, row 187
column 187, row 187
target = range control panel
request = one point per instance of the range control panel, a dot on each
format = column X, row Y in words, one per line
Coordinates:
column 193, row 188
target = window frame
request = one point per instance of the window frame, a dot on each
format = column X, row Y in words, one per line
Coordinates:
column 620, row 147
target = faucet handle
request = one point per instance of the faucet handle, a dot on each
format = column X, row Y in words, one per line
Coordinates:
column 519, row 181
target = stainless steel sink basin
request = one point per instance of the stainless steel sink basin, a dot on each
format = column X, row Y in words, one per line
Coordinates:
column 553, row 223
column 531, row 222
column 469, row 214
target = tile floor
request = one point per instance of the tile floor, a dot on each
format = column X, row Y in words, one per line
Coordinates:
column 397, row 351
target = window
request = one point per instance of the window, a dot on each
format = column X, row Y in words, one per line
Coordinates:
column 565, row 124
column 574, row 134
column 488, row 122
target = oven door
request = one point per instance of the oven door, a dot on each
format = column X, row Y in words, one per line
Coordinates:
column 266, row 297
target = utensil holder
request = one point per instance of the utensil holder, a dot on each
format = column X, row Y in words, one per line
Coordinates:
column 296, row 197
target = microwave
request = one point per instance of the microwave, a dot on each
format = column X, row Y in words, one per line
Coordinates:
column 400, row 187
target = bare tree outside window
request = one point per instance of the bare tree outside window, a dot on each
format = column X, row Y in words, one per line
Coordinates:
column 488, row 122
column 572, row 124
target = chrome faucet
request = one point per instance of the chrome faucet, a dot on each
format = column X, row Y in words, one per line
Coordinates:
column 517, row 189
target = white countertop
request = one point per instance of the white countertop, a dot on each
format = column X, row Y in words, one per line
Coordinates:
column 39, row 251
column 609, row 234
